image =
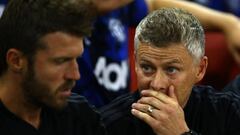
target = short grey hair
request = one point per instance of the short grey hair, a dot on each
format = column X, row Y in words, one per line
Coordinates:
column 165, row 26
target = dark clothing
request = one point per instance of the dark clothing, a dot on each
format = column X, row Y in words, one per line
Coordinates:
column 233, row 86
column 206, row 113
column 76, row 119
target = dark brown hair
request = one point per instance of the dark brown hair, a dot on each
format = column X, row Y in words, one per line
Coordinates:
column 25, row 22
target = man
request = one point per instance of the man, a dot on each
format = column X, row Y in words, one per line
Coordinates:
column 105, row 62
column 40, row 41
column 169, row 52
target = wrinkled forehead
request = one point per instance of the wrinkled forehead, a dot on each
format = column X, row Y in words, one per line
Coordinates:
column 159, row 49
column 172, row 53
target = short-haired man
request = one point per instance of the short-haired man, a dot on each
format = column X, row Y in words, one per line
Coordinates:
column 169, row 53
column 39, row 43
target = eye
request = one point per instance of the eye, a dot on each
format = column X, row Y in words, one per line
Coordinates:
column 60, row 60
column 172, row 70
column 147, row 68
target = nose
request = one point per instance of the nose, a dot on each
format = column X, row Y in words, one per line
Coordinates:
column 159, row 82
column 73, row 71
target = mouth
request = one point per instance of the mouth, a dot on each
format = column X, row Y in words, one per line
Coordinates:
column 66, row 89
column 65, row 93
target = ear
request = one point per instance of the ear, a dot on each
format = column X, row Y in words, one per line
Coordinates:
column 202, row 68
column 15, row 60
column 135, row 62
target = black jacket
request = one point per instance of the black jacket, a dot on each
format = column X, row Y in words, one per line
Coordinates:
column 206, row 113
column 78, row 118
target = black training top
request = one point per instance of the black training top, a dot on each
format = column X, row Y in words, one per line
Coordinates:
column 206, row 113
column 78, row 118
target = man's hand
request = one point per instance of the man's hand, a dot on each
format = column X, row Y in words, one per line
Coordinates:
column 165, row 115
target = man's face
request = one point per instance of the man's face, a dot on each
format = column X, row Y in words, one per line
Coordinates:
column 54, row 71
column 159, row 68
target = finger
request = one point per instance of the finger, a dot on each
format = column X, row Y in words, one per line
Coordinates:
column 154, row 120
column 141, row 107
column 152, row 101
column 171, row 92
column 150, row 110
column 159, row 95
column 144, row 116
column 145, row 108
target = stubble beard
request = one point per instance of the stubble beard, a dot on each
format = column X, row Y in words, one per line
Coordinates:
column 38, row 94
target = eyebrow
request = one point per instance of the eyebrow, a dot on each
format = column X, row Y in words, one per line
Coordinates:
column 174, row 61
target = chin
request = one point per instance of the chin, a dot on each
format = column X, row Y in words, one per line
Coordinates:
column 59, row 105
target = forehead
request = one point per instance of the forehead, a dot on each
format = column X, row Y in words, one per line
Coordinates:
column 175, row 53
column 62, row 42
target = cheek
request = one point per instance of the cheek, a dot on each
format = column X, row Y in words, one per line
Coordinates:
column 185, row 79
column 51, row 77
column 143, row 81
column 183, row 86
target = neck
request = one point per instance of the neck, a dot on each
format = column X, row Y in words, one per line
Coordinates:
column 14, row 100
column 27, row 112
